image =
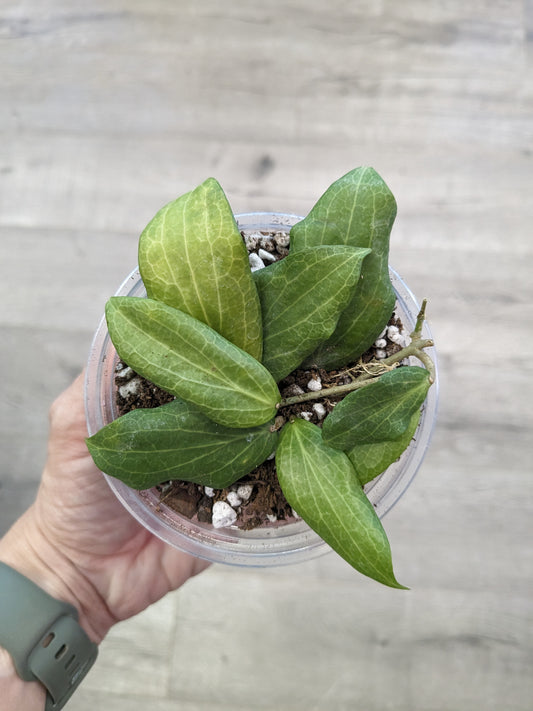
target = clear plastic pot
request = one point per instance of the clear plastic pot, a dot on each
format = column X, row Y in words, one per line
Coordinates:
column 272, row 545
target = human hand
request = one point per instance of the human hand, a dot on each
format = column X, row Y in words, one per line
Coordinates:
column 79, row 543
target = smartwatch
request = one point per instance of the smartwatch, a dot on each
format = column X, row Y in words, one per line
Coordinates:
column 43, row 637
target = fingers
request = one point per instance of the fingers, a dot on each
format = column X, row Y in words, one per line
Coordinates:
column 68, row 406
column 68, row 428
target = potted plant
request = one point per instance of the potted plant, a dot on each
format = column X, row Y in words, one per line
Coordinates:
column 224, row 339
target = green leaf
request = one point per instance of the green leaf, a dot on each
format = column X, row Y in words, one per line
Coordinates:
column 382, row 410
column 192, row 257
column 320, row 484
column 192, row 361
column 301, row 298
column 175, row 441
column 371, row 460
column 357, row 210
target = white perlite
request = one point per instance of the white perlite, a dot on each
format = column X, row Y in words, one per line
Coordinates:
column 252, row 240
column 129, row 388
column 234, row 499
column 123, row 372
column 394, row 335
column 392, row 331
column 292, row 390
column 320, row 410
column 282, row 239
column 245, row 491
column 266, row 256
column 223, row 515
column 314, row 385
column 209, row 491
column 306, row 415
column 255, row 262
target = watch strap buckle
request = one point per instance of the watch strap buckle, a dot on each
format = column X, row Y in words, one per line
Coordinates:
column 61, row 659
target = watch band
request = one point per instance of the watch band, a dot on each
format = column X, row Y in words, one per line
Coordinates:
column 43, row 637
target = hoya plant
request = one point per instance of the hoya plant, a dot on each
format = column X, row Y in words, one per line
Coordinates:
column 220, row 337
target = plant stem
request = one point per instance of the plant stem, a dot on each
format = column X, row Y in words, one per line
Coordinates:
column 327, row 392
column 420, row 320
column 414, row 349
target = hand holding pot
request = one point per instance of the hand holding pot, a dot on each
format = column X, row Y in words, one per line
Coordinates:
column 79, row 544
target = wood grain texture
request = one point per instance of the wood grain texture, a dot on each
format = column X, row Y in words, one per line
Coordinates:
column 110, row 110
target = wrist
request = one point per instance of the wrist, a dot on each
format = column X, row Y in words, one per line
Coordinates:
column 15, row 693
column 26, row 549
column 46, row 643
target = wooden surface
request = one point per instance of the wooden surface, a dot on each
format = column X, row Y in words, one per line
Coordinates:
column 110, row 109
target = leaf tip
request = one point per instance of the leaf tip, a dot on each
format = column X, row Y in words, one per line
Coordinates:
column 399, row 586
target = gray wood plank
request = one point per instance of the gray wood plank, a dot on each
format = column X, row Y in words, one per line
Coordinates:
column 404, row 654
column 110, row 111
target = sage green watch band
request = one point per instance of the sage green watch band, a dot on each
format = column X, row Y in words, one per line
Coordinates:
column 43, row 637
